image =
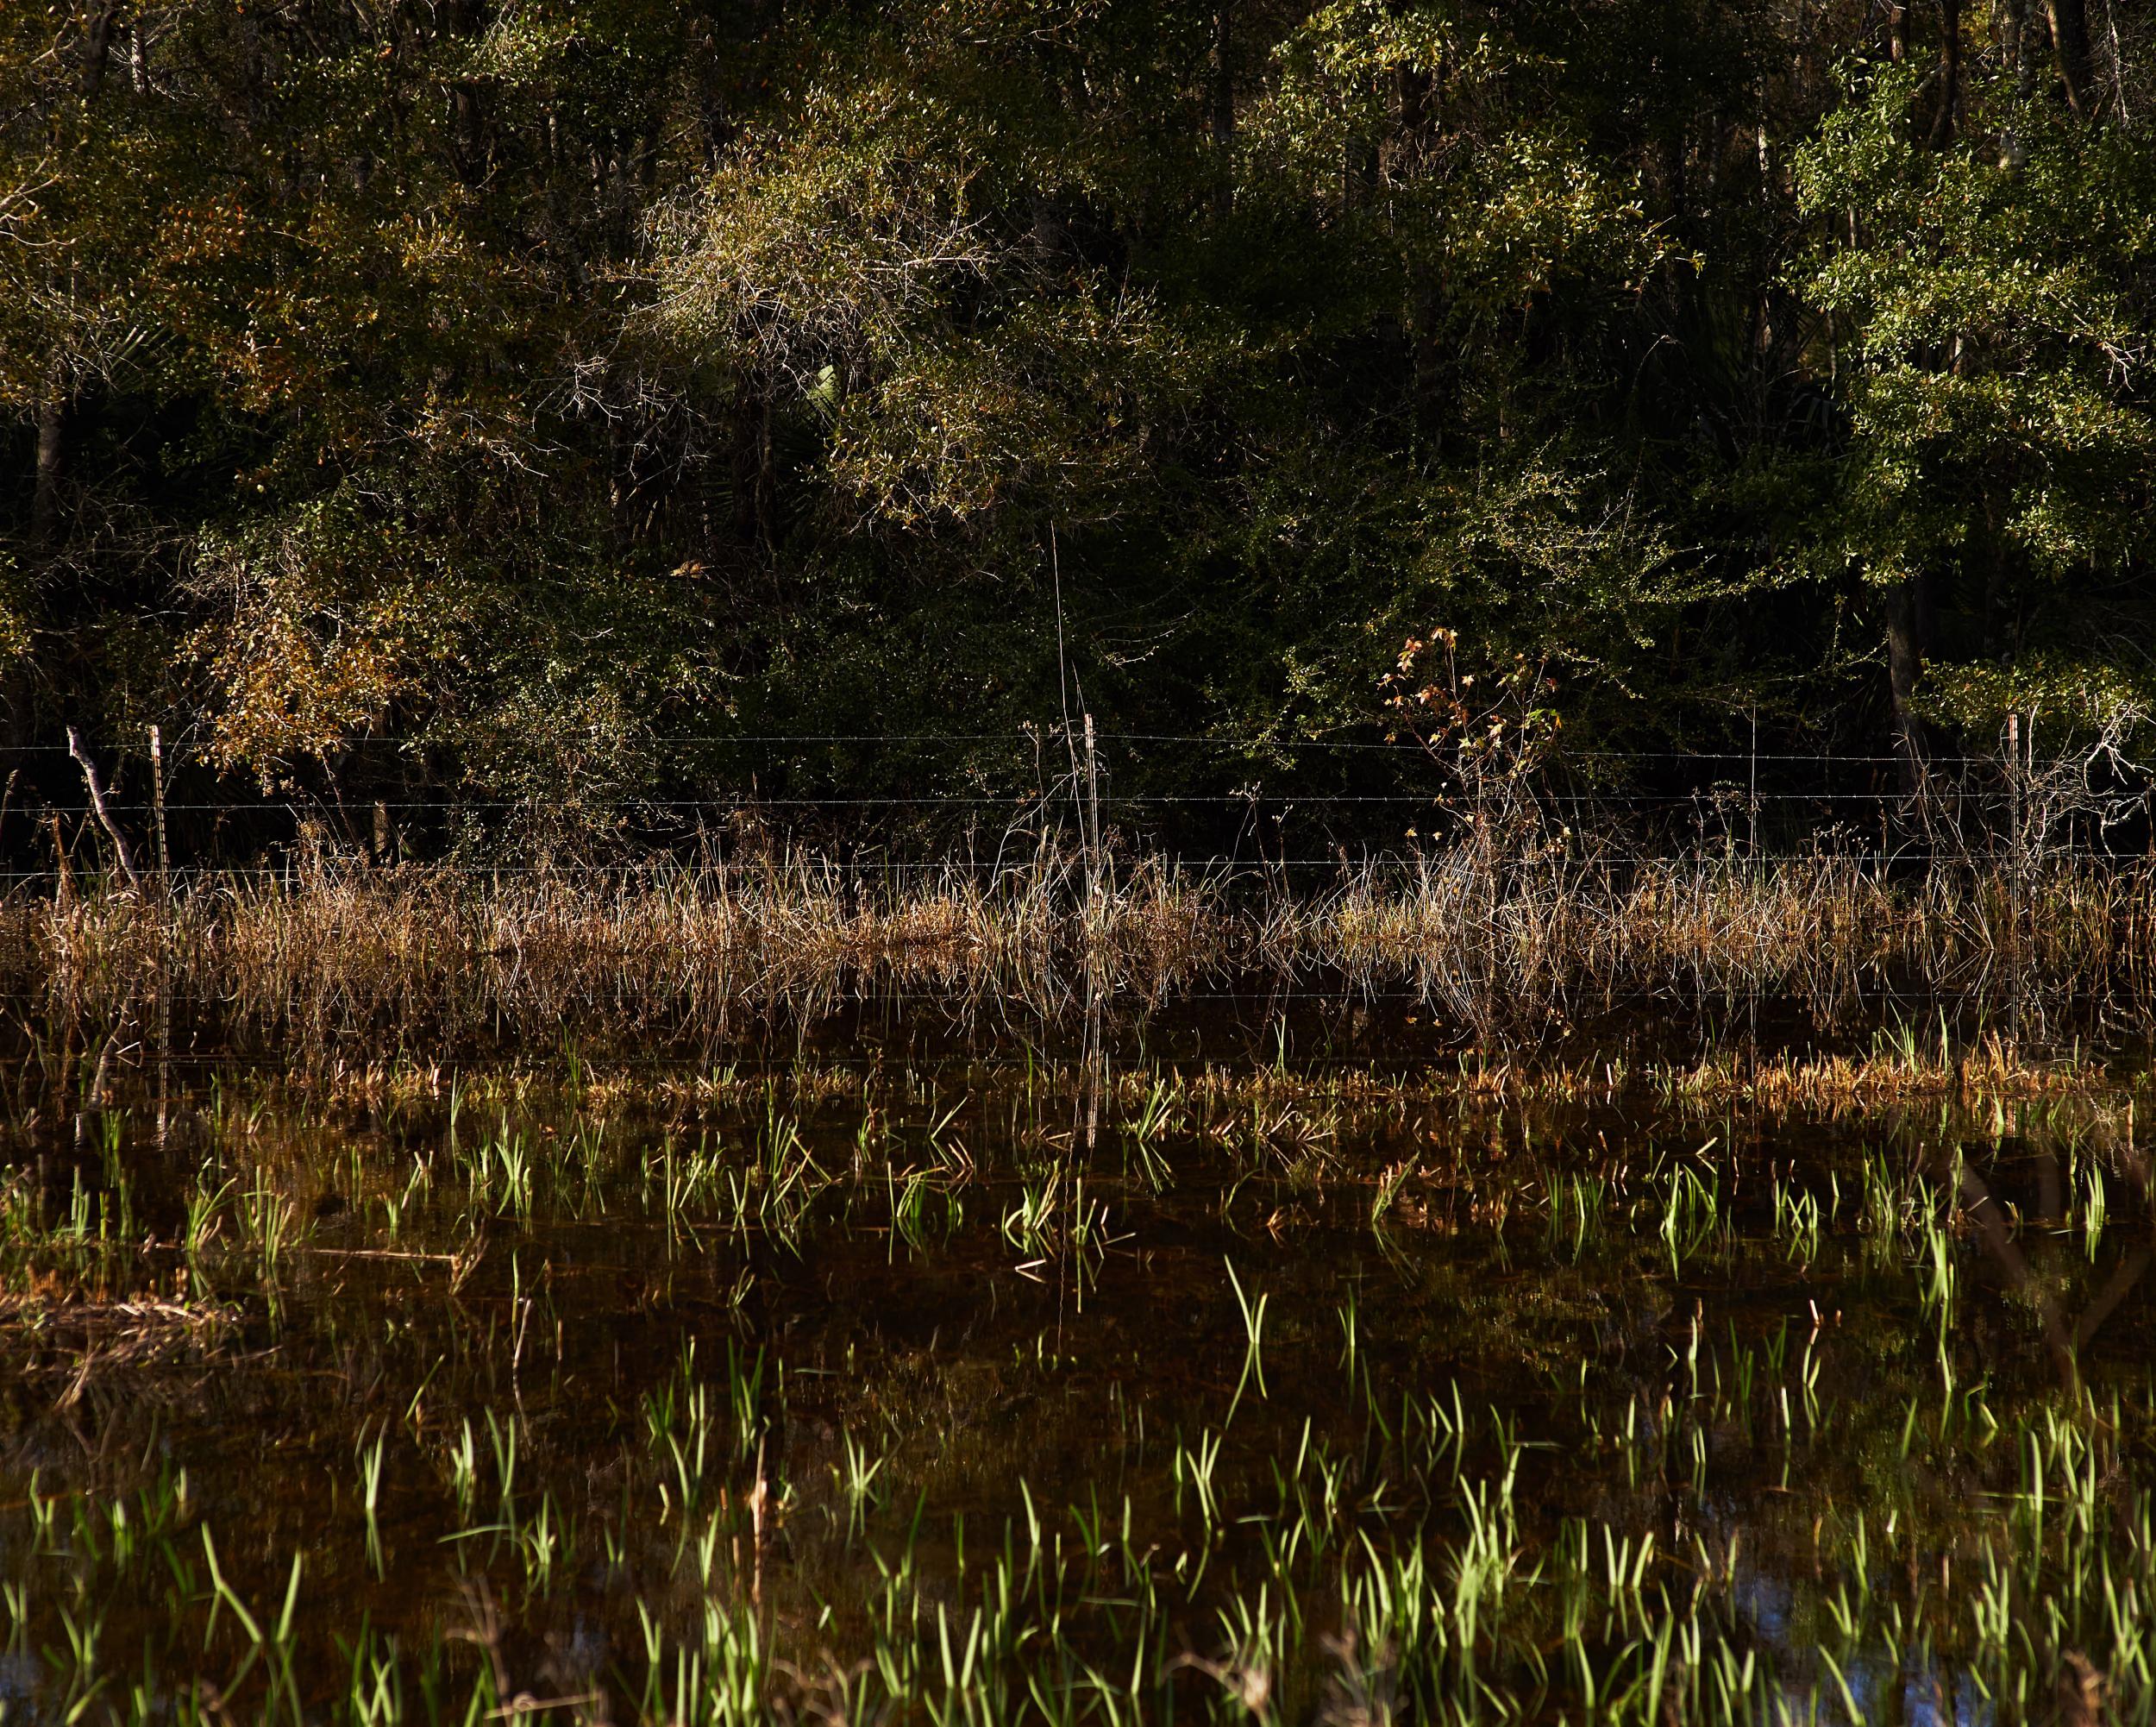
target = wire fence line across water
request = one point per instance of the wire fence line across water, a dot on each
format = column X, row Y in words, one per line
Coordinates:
column 1775, row 804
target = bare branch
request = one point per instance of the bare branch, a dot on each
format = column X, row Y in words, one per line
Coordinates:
column 76, row 748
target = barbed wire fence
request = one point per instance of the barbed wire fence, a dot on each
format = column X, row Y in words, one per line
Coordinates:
column 1083, row 842
column 1628, row 805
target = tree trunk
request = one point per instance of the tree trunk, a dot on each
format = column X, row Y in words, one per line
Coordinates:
column 1949, row 73
column 2014, row 53
column 52, row 410
column 1908, row 622
column 1414, row 151
column 1905, row 610
column 96, row 46
column 2070, row 47
column 468, row 107
column 1223, row 107
column 751, row 465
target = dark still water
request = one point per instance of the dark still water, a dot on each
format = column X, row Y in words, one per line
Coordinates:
column 976, row 1393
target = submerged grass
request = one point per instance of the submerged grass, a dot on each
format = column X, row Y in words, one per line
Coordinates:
column 327, row 953
column 872, row 1393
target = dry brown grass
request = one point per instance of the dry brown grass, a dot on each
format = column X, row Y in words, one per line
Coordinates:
column 432, row 957
column 1505, row 947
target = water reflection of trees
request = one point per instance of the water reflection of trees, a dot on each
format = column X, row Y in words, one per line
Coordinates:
column 2066, row 1337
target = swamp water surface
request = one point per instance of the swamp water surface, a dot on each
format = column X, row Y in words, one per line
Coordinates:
column 949, row 1394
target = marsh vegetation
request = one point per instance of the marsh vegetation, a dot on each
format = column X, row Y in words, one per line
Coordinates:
column 1512, row 947
column 956, row 862
column 993, row 1388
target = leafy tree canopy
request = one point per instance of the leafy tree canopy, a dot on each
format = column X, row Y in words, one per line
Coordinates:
column 483, row 404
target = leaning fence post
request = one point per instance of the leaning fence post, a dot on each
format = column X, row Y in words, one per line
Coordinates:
column 1093, row 811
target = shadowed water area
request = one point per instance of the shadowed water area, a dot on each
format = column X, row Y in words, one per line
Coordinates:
column 984, row 1390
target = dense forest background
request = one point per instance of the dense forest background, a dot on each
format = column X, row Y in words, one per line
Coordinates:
column 528, row 413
